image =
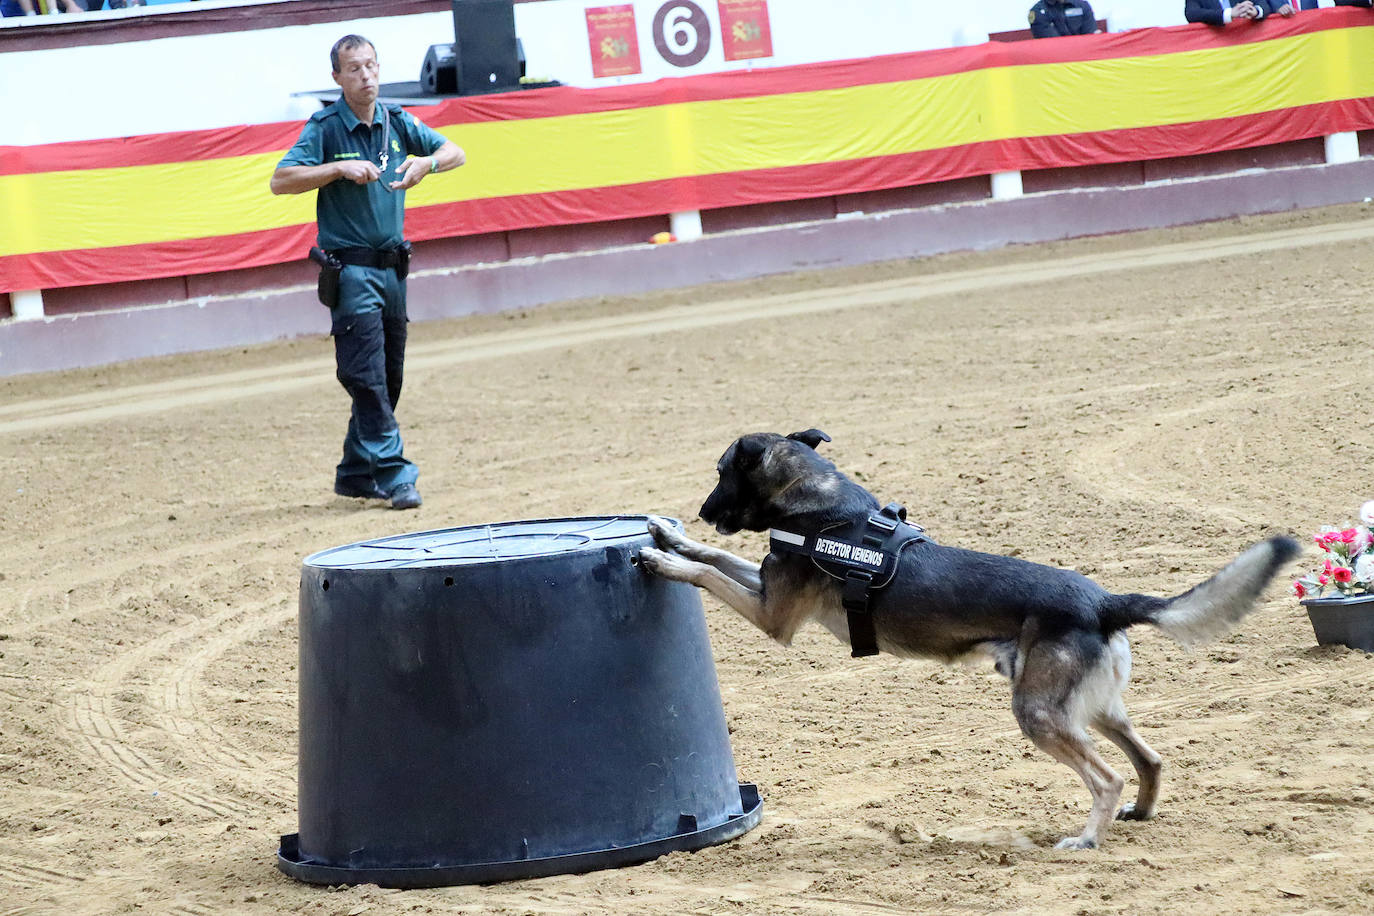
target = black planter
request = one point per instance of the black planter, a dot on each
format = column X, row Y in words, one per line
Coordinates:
column 1343, row 621
column 504, row 701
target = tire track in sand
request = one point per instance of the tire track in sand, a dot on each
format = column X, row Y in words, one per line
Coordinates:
column 19, row 871
column 113, row 404
column 94, row 726
column 1109, row 465
column 199, row 756
column 23, row 875
column 181, row 712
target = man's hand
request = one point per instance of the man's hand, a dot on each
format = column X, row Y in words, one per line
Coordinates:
column 359, row 171
column 1285, row 10
column 412, row 170
column 1245, row 10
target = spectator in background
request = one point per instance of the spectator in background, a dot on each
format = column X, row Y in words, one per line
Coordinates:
column 1053, row 18
column 1220, row 12
column 30, row 7
column 94, row 5
column 1314, row 4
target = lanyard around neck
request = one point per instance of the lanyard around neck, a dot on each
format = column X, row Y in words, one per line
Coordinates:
column 386, row 137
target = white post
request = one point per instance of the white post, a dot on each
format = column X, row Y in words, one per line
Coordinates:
column 686, row 225
column 1342, row 147
column 27, row 304
column 1006, row 185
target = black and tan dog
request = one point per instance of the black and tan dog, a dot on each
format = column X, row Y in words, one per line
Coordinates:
column 1058, row 636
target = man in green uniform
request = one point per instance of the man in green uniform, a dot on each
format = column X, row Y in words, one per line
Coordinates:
column 362, row 156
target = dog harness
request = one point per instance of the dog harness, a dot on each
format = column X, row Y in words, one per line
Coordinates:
column 863, row 555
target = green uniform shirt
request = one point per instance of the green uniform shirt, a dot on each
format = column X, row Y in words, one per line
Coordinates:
column 352, row 215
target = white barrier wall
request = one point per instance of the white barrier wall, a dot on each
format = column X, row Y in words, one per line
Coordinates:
column 209, row 81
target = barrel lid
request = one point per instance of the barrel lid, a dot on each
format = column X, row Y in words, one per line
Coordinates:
column 484, row 543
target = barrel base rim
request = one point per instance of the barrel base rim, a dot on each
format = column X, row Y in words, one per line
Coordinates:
column 290, row 862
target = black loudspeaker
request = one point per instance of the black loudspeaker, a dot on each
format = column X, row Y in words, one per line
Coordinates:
column 483, row 39
column 486, row 52
column 439, row 72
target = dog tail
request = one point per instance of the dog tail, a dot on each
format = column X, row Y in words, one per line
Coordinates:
column 1213, row 608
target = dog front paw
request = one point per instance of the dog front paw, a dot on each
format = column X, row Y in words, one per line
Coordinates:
column 665, row 533
column 664, row 564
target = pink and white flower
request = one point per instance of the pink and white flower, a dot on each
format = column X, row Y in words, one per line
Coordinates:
column 1347, row 560
column 1364, row 570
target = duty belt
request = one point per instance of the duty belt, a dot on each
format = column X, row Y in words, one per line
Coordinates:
column 863, row 555
column 369, row 257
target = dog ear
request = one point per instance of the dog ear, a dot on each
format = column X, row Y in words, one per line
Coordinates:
column 748, row 451
column 811, row 437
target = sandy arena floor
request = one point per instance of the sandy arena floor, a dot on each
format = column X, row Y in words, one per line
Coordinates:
column 1138, row 407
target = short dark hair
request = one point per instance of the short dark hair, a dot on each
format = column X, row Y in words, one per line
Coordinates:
column 347, row 43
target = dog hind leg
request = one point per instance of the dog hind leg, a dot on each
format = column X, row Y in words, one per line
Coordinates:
column 1074, row 749
column 1108, row 715
column 1052, row 717
column 1117, row 727
column 1005, row 656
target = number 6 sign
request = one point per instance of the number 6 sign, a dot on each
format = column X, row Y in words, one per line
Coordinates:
column 682, row 33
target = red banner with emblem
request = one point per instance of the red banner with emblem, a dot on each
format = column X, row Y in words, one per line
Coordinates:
column 744, row 29
column 612, row 40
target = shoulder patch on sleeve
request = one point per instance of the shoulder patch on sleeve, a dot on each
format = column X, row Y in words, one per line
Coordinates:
column 1030, row 17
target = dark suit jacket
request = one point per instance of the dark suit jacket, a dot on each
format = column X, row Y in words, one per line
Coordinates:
column 1312, row 4
column 1209, row 11
column 1074, row 17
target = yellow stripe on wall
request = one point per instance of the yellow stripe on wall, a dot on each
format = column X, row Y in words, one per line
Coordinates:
column 133, row 205
column 199, row 199
column 703, row 138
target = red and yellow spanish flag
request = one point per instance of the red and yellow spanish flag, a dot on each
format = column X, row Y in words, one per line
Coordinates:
column 197, row 202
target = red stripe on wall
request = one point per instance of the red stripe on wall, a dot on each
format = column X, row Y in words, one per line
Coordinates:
column 148, row 149
column 186, row 257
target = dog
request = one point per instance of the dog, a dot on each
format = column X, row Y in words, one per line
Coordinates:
column 1058, row 636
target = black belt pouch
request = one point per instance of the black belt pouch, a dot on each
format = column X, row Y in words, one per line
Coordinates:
column 330, row 269
column 403, row 261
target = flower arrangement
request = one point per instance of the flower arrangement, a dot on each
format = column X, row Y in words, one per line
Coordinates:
column 1348, row 568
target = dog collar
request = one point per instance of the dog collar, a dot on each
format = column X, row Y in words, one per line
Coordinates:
column 863, row 555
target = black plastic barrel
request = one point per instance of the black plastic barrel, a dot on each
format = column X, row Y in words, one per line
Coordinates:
column 504, row 701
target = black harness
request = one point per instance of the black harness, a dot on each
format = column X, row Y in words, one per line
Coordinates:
column 863, row 555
